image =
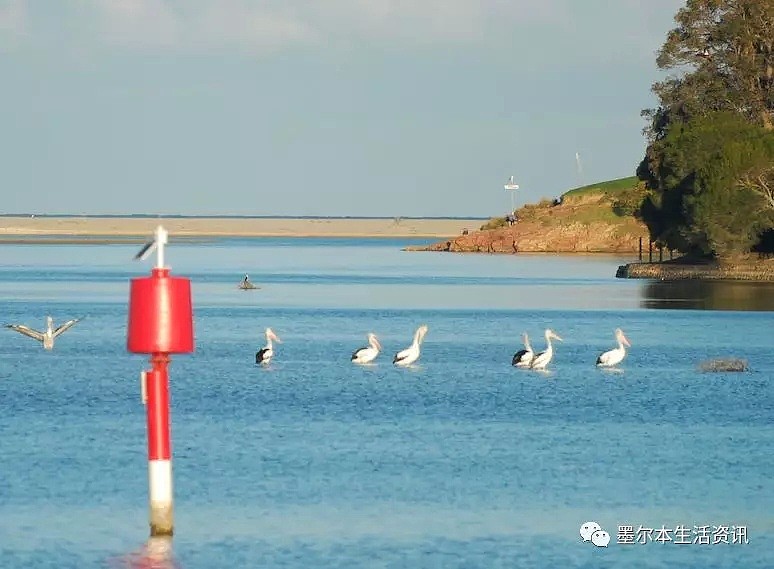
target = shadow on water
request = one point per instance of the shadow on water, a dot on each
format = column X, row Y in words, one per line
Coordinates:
column 708, row 295
column 156, row 553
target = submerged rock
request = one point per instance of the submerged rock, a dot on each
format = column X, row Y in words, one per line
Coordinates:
column 724, row 364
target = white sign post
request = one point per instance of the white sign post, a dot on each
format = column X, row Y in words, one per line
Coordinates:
column 510, row 185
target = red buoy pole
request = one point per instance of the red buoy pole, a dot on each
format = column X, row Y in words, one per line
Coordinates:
column 160, row 323
column 159, row 447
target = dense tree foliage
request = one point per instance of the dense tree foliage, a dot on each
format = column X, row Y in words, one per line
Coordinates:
column 708, row 165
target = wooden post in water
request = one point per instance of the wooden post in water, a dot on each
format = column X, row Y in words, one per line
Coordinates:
column 660, row 253
column 670, row 253
column 640, row 250
column 650, row 250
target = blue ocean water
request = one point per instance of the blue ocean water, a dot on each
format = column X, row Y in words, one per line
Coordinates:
column 462, row 461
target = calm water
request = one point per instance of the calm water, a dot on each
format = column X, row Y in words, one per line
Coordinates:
column 463, row 461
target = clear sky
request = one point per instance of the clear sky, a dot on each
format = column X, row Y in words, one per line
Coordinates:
column 329, row 107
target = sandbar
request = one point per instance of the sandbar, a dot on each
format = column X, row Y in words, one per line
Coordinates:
column 107, row 229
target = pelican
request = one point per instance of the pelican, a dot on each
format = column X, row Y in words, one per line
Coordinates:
column 541, row 360
column 264, row 355
column 616, row 355
column 47, row 337
column 367, row 354
column 411, row 354
column 523, row 358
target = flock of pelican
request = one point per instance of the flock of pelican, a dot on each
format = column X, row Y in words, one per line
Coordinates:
column 526, row 358
column 364, row 355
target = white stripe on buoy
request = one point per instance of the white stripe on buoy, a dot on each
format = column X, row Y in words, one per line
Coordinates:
column 160, row 483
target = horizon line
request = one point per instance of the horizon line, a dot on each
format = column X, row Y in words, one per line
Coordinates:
column 234, row 216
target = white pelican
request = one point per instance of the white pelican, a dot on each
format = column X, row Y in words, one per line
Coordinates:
column 264, row 355
column 523, row 358
column 48, row 336
column 616, row 355
column 541, row 360
column 367, row 354
column 411, row 354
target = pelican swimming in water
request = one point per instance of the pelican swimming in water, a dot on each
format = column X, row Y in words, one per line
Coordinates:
column 47, row 337
column 264, row 355
column 616, row 355
column 523, row 358
column 541, row 360
column 367, row 354
column 411, row 354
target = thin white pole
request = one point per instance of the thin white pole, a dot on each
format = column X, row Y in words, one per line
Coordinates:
column 161, row 241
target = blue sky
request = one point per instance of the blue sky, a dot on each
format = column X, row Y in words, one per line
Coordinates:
column 303, row 107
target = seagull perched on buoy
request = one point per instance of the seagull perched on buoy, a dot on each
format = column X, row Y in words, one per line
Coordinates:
column 523, row 358
column 411, row 354
column 264, row 355
column 616, row 355
column 541, row 360
column 367, row 354
column 47, row 337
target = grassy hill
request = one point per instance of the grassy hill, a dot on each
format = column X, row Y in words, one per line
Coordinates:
column 613, row 201
column 609, row 187
column 595, row 218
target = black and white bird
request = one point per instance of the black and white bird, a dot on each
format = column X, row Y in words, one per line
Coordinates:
column 264, row 355
column 368, row 353
column 160, row 239
column 47, row 337
column 616, row 355
column 541, row 360
column 246, row 284
column 411, row 354
column 523, row 358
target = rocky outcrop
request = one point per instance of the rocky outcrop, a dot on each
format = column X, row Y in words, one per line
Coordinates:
column 532, row 237
column 583, row 224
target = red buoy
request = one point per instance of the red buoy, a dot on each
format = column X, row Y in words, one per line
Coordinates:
column 160, row 315
column 160, row 323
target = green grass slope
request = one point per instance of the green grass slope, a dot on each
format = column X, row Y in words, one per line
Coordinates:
column 613, row 201
column 609, row 187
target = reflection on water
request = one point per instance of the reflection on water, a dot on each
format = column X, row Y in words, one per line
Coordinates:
column 708, row 295
column 156, row 553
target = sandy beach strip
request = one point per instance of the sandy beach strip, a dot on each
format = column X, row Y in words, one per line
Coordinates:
column 116, row 229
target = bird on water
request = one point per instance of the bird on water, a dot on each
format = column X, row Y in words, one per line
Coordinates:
column 541, row 360
column 264, row 355
column 616, row 355
column 411, row 354
column 368, row 353
column 523, row 358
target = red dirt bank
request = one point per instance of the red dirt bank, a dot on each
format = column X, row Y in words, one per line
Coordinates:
column 585, row 224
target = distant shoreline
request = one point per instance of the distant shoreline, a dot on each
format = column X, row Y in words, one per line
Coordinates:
column 230, row 216
column 117, row 229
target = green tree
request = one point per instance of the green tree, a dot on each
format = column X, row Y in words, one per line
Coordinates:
column 710, row 170
column 726, row 48
column 718, row 108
